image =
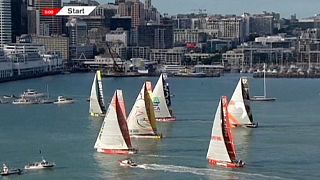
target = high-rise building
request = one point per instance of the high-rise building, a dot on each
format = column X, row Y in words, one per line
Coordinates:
column 135, row 9
column 55, row 22
column 19, row 18
column 33, row 21
column 155, row 36
column 77, row 31
column 5, row 22
column 147, row 4
column 137, row 14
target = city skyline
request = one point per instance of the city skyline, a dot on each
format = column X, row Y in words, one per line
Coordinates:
column 284, row 7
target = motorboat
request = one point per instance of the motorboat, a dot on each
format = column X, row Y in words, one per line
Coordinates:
column 6, row 171
column 39, row 165
column 127, row 163
column 63, row 100
column 23, row 101
column 31, row 93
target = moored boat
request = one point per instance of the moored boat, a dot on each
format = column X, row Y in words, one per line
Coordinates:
column 264, row 97
column 239, row 109
column 9, row 171
column 23, row 101
column 63, row 100
column 114, row 136
column 222, row 150
column 162, row 101
column 32, row 93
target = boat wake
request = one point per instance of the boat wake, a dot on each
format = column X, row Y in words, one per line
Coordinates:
column 215, row 173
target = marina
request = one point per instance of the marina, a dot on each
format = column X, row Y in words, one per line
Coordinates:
column 275, row 150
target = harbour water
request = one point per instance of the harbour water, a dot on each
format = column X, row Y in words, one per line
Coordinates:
column 284, row 146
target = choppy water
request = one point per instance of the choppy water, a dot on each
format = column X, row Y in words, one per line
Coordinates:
column 285, row 146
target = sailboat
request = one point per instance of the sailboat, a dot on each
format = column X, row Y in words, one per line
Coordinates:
column 264, row 97
column 97, row 105
column 114, row 136
column 162, row 101
column 222, row 150
column 239, row 111
column 142, row 120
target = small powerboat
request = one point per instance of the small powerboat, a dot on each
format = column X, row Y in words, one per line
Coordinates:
column 63, row 100
column 40, row 165
column 6, row 171
column 127, row 163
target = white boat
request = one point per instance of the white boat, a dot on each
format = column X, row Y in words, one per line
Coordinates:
column 127, row 163
column 142, row 120
column 8, row 171
column 239, row 110
column 114, row 136
column 97, row 105
column 63, row 100
column 264, row 97
column 31, row 93
column 23, row 101
column 222, row 150
column 39, row 165
column 162, row 101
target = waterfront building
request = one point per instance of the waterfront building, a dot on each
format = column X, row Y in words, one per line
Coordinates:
column 218, row 45
column 5, row 22
column 168, row 56
column 139, row 52
column 29, row 59
column 54, row 43
column 6, row 70
column 155, row 36
column 54, row 22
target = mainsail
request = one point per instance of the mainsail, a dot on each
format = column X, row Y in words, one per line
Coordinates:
column 141, row 120
column 222, row 149
column 97, row 105
column 161, row 99
column 114, row 135
column 239, row 106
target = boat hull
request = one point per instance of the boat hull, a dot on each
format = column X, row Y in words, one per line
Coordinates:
column 225, row 164
column 167, row 119
column 117, row 151
column 262, row 99
column 11, row 172
column 147, row 136
column 97, row 115
column 254, row 125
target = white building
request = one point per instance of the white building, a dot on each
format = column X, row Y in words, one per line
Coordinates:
column 167, row 56
column 118, row 36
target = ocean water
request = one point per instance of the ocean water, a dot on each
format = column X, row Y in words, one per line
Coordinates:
column 284, row 146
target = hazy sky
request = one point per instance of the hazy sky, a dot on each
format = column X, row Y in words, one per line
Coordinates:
column 303, row 8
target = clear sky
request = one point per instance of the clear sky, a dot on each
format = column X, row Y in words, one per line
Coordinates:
column 303, row 8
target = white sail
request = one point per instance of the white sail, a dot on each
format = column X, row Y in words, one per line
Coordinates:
column 110, row 135
column 138, row 119
column 217, row 148
column 159, row 101
column 97, row 106
column 238, row 112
